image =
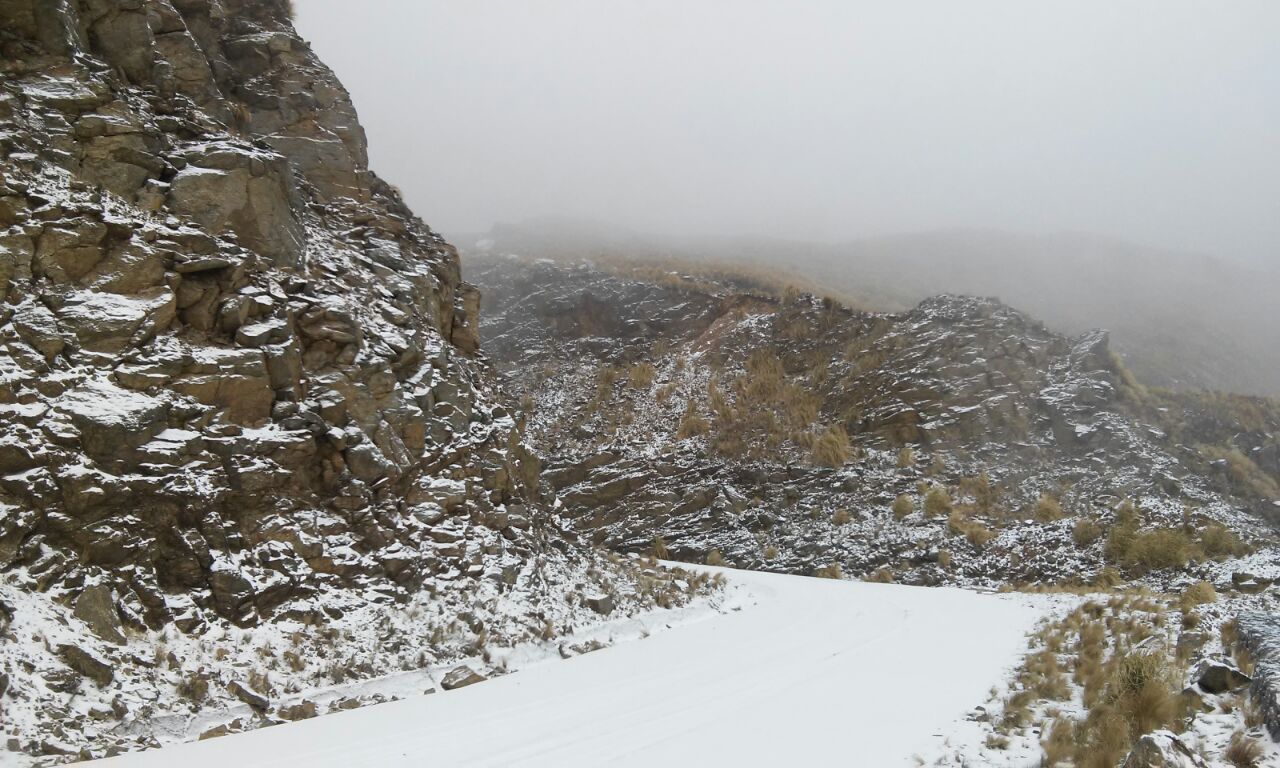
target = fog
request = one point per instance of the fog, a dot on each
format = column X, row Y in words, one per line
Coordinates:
column 1151, row 121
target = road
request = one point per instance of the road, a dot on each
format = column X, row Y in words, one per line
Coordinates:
column 808, row 672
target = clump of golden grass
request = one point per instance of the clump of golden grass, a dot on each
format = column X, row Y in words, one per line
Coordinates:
column 1047, row 509
column 974, row 532
column 1142, row 551
column 937, row 502
column 1085, row 531
column 880, row 576
column 831, row 448
column 1059, row 745
column 1244, row 752
column 1125, row 693
column 691, row 423
column 832, row 571
column 902, row 506
column 1199, row 593
column 641, row 375
column 1158, row 549
column 1217, row 541
column 906, row 457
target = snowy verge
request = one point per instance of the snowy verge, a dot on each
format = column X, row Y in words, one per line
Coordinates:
column 793, row 670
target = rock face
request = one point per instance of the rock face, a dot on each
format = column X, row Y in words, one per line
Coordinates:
column 240, row 381
column 219, row 319
column 780, row 430
column 1260, row 633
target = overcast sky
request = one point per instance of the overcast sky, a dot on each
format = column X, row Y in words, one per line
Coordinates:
column 1155, row 121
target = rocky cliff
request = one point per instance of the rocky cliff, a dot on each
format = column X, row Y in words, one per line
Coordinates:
column 247, row 443
column 959, row 442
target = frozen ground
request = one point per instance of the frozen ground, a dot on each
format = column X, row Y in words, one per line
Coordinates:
column 794, row 671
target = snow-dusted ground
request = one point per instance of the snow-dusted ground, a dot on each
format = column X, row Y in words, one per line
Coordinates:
column 794, row 671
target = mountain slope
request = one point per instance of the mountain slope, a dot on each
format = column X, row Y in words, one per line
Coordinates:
column 1178, row 319
column 959, row 441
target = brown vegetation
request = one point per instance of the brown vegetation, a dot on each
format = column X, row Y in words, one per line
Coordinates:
column 831, row 449
column 903, row 506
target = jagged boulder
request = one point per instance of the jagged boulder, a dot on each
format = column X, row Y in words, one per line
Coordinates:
column 1162, row 749
column 1217, row 676
column 96, row 606
column 227, row 188
column 87, row 664
column 256, row 701
column 111, row 420
column 460, row 677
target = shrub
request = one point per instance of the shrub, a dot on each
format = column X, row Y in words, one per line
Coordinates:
column 1218, row 541
column 831, row 449
column 903, row 506
column 906, row 457
column 1141, row 690
column 770, row 552
column 1244, row 752
column 1158, row 549
column 1060, row 744
column 764, row 377
column 985, row 495
column 841, row 517
column 1200, row 593
column 1106, row 741
column 937, row 502
column 194, row 687
column 1085, row 532
column 715, row 558
column 832, row 571
column 978, row 534
column 691, row 423
column 1047, row 509
column 641, row 375
column 659, row 548
column 606, row 376
column 880, row 576
column 1123, row 530
column 944, row 558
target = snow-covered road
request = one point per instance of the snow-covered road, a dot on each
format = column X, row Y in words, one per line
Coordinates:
column 808, row 672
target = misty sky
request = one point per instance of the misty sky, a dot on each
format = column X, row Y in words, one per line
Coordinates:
column 1155, row 121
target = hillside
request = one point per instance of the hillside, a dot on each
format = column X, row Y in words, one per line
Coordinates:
column 1180, row 320
column 957, row 442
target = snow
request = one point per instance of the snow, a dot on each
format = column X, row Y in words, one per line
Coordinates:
column 793, row 671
